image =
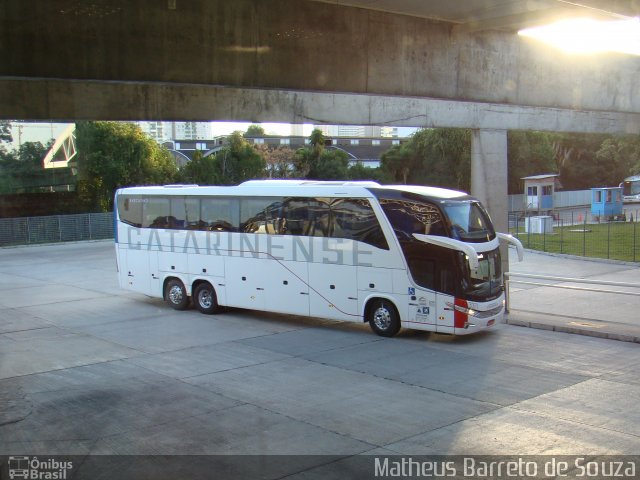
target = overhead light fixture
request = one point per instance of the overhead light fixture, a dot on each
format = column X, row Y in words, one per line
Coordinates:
column 587, row 36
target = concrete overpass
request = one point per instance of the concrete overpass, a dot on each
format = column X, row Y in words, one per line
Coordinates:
column 401, row 62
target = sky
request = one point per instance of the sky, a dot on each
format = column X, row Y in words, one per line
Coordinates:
column 225, row 128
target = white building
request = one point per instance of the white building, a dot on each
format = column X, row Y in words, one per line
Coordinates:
column 163, row 131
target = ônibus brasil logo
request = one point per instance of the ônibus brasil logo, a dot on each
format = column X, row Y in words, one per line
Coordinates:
column 35, row 469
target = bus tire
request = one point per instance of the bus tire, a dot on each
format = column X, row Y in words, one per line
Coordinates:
column 383, row 318
column 205, row 298
column 176, row 295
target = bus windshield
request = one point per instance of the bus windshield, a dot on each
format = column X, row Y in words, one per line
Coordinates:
column 630, row 187
column 485, row 282
column 469, row 221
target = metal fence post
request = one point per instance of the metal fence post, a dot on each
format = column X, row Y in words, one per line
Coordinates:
column 90, row 234
column 608, row 240
column 584, row 236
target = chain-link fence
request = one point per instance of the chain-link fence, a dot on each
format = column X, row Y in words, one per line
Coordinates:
column 56, row 228
column 579, row 232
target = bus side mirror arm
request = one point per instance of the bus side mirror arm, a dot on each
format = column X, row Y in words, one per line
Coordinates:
column 447, row 242
column 514, row 241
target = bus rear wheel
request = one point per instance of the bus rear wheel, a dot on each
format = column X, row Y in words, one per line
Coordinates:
column 176, row 295
column 205, row 298
column 383, row 318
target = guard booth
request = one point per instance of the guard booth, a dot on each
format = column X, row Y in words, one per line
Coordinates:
column 606, row 204
column 538, row 193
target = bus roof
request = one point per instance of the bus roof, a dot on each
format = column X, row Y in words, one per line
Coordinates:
column 290, row 188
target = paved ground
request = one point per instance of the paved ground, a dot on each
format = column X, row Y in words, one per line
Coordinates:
column 88, row 369
column 580, row 310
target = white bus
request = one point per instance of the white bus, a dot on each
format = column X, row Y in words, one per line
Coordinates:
column 393, row 256
column 631, row 189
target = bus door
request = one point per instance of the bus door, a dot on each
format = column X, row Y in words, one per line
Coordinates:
column 422, row 307
column 431, row 303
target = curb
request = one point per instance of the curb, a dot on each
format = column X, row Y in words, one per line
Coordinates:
column 554, row 326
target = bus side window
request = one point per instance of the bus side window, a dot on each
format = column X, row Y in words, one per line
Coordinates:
column 219, row 214
column 130, row 210
column 185, row 213
column 260, row 215
column 354, row 219
column 305, row 216
column 156, row 213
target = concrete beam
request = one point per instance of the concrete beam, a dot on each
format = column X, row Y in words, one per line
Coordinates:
column 55, row 99
column 302, row 46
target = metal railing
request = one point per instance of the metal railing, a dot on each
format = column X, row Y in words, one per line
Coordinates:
column 56, row 228
column 579, row 232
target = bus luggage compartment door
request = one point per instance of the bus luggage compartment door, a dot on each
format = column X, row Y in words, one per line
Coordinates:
column 246, row 281
column 333, row 291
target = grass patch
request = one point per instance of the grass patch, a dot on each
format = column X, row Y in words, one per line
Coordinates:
column 616, row 240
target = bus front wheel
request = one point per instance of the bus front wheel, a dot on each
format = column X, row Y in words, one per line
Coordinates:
column 383, row 318
column 205, row 298
column 176, row 295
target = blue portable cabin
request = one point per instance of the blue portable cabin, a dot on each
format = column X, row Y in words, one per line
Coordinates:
column 606, row 203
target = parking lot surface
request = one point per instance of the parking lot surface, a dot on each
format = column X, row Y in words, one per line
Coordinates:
column 86, row 368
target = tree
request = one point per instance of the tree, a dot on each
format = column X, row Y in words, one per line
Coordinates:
column 239, row 161
column 331, row 165
column 576, row 160
column 306, row 158
column 529, row 153
column 318, row 163
column 254, row 131
column 440, row 156
column 5, row 132
column 359, row 172
column 201, row 170
column 113, row 155
column 279, row 161
column 618, row 157
column 22, row 169
column 396, row 163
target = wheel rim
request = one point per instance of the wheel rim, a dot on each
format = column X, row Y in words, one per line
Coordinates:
column 175, row 294
column 382, row 318
column 205, row 299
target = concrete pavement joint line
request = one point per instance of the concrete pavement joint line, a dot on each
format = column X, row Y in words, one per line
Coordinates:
column 313, row 467
column 262, row 407
column 26, row 330
column 63, row 368
column 571, row 420
column 134, row 319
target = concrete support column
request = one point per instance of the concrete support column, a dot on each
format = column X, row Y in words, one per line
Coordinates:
column 489, row 173
column 489, row 179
